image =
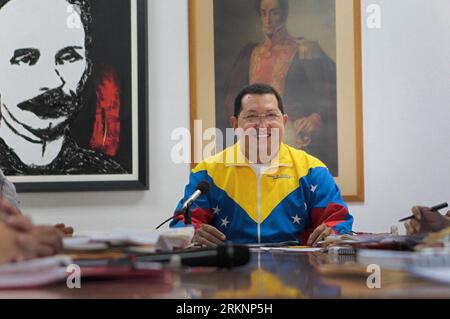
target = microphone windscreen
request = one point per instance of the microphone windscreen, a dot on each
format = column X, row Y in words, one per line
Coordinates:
column 204, row 187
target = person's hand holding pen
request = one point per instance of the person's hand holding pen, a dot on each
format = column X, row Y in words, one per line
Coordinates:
column 426, row 220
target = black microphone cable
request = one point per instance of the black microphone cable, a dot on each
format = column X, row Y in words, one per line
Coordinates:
column 203, row 187
column 169, row 219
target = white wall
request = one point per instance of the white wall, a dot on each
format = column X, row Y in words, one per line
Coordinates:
column 406, row 122
column 406, row 111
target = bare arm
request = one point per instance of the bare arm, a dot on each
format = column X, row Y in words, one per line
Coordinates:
column 8, row 247
column 21, row 240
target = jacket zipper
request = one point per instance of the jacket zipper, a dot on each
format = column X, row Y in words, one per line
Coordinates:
column 259, row 206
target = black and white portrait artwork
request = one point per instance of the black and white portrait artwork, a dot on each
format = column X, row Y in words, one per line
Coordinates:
column 66, row 89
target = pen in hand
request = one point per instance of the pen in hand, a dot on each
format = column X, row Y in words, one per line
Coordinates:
column 433, row 209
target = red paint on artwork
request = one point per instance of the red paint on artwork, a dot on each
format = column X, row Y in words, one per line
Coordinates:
column 106, row 133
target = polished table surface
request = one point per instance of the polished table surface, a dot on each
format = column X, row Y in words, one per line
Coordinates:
column 268, row 275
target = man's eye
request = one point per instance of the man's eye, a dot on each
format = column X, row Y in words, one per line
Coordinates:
column 28, row 58
column 274, row 13
column 69, row 57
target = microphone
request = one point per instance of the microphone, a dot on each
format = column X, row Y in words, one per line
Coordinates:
column 201, row 189
column 225, row 256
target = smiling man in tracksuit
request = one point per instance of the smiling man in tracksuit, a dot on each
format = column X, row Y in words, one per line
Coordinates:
column 262, row 190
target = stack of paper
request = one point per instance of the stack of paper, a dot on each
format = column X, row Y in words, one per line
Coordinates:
column 34, row 273
column 44, row 271
column 164, row 240
column 374, row 241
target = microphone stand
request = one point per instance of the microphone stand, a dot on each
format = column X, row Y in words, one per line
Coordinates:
column 187, row 215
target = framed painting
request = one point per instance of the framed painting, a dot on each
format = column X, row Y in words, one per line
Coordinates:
column 73, row 94
column 309, row 50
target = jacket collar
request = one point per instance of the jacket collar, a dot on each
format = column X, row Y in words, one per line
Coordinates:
column 235, row 157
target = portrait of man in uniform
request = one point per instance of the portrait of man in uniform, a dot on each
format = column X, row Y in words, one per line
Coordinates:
column 271, row 47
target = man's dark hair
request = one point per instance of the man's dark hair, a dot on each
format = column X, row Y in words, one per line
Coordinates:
column 258, row 89
column 283, row 4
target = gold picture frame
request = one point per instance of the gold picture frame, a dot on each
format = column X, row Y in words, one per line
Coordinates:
column 348, row 87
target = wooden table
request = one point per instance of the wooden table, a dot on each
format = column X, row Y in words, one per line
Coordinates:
column 268, row 275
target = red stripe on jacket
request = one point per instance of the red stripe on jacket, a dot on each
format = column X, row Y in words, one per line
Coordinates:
column 199, row 216
column 332, row 215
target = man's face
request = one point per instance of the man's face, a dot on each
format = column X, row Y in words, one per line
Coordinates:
column 42, row 65
column 271, row 16
column 261, row 123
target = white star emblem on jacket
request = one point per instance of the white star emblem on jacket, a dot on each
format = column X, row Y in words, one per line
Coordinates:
column 313, row 188
column 216, row 210
column 296, row 219
column 225, row 221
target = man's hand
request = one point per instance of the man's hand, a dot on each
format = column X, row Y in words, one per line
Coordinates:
column 40, row 241
column 14, row 218
column 6, row 209
column 426, row 221
column 320, row 233
column 67, row 231
column 209, row 236
column 20, row 223
column 34, row 241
